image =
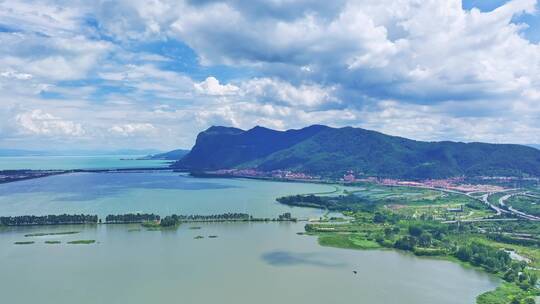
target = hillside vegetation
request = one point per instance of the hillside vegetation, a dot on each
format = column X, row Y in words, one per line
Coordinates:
column 332, row 151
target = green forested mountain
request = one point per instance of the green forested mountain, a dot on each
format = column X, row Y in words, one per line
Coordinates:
column 332, row 151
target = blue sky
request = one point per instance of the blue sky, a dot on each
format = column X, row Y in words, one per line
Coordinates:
column 152, row 74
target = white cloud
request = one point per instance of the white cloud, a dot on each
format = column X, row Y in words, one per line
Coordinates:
column 279, row 91
column 406, row 49
column 38, row 122
column 422, row 69
column 41, row 16
column 211, row 86
column 54, row 59
column 15, row 75
column 132, row 129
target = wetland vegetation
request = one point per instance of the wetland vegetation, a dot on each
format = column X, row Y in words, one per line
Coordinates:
column 84, row 242
column 50, row 233
column 63, row 219
column 131, row 218
column 175, row 220
column 429, row 222
column 279, row 247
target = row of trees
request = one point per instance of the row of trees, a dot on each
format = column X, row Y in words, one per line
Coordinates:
column 496, row 260
column 492, row 259
column 213, row 217
column 173, row 220
column 349, row 202
column 48, row 219
column 131, row 218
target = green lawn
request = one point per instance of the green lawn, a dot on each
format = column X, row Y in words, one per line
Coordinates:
column 349, row 241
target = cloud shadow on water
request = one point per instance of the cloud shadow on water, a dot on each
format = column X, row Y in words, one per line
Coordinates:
column 288, row 258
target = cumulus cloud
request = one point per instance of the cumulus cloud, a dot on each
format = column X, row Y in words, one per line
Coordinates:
column 132, row 129
column 211, row 86
column 430, row 50
column 279, row 91
column 422, row 69
column 38, row 122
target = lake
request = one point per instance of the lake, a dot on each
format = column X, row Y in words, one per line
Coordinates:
column 246, row 263
column 77, row 162
column 162, row 193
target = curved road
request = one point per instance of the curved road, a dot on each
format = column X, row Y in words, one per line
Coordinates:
column 514, row 211
column 505, row 209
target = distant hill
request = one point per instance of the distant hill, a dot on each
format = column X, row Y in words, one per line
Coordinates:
column 535, row 146
column 332, row 151
column 171, row 155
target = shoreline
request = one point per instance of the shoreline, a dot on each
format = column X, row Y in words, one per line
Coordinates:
column 11, row 176
column 335, row 184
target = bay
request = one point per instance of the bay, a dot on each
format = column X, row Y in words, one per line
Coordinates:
column 77, row 162
column 246, row 263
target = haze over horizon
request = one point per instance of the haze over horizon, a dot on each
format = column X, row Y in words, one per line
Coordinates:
column 129, row 74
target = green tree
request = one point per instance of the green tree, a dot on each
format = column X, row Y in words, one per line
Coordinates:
column 415, row 230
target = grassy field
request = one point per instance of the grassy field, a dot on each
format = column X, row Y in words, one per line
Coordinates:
column 527, row 204
column 410, row 201
column 399, row 194
column 494, row 198
column 350, row 241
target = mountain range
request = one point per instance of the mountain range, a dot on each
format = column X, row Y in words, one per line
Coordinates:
column 331, row 151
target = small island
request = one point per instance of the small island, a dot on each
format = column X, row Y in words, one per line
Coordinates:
column 175, row 220
column 84, row 242
column 50, row 233
column 53, row 242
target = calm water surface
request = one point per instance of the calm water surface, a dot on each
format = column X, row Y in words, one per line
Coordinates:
column 163, row 193
column 247, row 263
column 77, row 162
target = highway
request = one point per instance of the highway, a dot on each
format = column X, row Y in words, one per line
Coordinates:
column 501, row 203
column 521, row 214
